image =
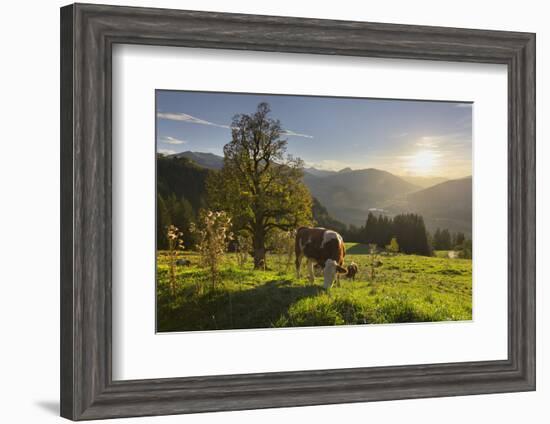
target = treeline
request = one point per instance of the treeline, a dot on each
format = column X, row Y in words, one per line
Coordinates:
column 445, row 240
column 410, row 233
column 408, row 229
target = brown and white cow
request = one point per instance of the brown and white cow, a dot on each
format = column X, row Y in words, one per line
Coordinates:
column 324, row 248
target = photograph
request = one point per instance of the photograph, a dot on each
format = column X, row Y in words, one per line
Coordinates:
column 298, row 211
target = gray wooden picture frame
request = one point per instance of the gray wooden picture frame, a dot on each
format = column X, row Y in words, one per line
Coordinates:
column 88, row 33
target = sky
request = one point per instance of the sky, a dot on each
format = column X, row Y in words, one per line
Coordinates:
column 405, row 137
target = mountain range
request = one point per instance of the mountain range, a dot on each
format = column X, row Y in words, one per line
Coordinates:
column 349, row 195
column 206, row 160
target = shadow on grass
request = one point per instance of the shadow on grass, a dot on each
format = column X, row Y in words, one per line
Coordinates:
column 252, row 307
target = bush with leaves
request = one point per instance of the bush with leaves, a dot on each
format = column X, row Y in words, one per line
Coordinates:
column 212, row 233
column 175, row 244
column 393, row 247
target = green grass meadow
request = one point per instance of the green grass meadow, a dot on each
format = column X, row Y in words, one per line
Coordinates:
column 405, row 288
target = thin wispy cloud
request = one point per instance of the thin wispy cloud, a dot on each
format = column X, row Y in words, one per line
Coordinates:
column 172, row 140
column 166, row 151
column 184, row 117
column 295, row 134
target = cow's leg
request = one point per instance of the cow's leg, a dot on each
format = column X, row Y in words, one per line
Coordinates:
column 311, row 275
column 298, row 264
column 299, row 254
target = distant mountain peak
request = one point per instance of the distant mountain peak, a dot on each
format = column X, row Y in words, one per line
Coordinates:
column 318, row 172
column 204, row 159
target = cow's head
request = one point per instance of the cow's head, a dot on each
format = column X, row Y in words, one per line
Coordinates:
column 331, row 268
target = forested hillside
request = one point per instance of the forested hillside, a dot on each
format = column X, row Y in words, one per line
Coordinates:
column 180, row 194
column 445, row 205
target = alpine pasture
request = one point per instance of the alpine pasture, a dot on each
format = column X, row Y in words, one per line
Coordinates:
column 402, row 288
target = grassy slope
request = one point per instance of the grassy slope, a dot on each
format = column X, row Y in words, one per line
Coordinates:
column 406, row 288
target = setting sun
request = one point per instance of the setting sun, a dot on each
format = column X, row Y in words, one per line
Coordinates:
column 423, row 162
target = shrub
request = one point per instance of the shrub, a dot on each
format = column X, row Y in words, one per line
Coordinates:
column 175, row 244
column 213, row 234
column 393, row 247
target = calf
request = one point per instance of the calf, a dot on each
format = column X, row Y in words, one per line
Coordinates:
column 324, row 248
column 352, row 271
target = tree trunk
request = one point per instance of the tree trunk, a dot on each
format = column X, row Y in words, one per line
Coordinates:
column 259, row 249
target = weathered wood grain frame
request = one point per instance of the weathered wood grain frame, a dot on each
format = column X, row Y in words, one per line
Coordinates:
column 88, row 33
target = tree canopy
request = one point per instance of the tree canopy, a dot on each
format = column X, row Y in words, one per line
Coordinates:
column 260, row 185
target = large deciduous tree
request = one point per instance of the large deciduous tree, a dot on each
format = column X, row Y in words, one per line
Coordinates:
column 260, row 185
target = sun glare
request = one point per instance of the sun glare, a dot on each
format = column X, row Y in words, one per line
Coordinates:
column 423, row 162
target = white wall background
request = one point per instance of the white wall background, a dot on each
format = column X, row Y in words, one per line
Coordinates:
column 29, row 224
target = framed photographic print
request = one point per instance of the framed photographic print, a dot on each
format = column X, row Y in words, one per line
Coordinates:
column 268, row 211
